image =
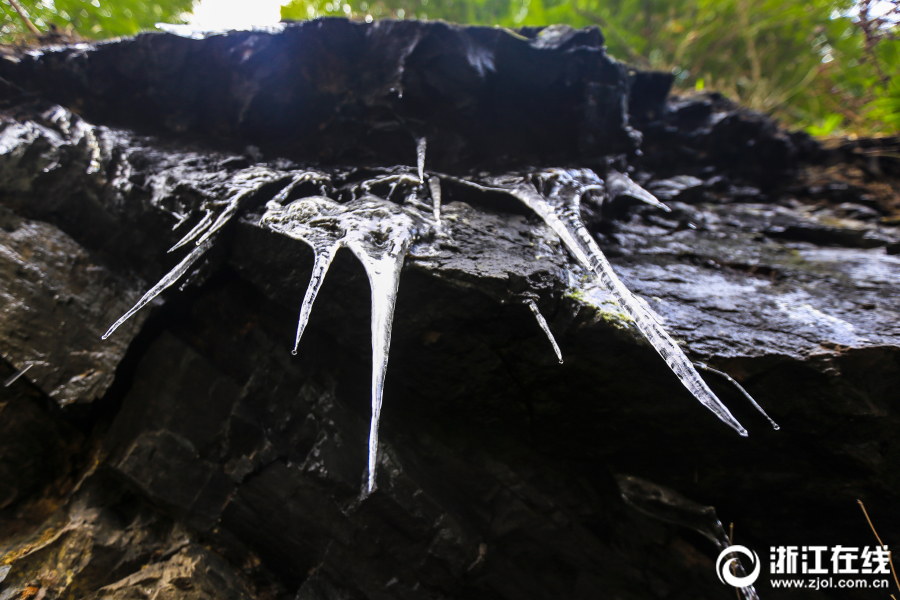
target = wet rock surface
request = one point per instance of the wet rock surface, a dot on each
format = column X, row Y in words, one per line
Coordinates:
column 190, row 455
column 334, row 90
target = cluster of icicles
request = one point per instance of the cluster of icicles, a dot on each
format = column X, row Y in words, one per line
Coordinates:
column 380, row 233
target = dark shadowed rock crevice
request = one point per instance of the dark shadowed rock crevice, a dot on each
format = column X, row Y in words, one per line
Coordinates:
column 190, row 455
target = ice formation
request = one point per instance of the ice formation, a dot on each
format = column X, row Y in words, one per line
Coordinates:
column 741, row 389
column 421, row 147
column 555, row 195
column 380, row 232
column 667, row 505
column 434, row 185
column 167, row 281
column 15, row 376
column 546, row 328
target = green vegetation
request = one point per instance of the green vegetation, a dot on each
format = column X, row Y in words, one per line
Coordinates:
column 90, row 18
column 809, row 62
column 825, row 65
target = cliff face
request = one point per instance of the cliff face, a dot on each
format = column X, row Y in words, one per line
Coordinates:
column 190, row 455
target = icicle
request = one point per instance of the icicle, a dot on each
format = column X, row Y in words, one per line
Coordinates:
column 304, row 177
column 380, row 236
column 420, row 158
column 619, row 184
column 320, row 268
column 12, row 379
column 562, row 215
column 667, row 505
column 543, row 323
column 182, row 219
column 394, row 180
column 196, row 230
column 314, row 220
column 225, row 215
column 250, row 182
column 379, row 233
column 165, row 282
column 434, row 184
column 740, row 388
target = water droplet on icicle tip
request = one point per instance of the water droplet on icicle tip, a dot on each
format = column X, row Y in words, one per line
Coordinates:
column 543, row 324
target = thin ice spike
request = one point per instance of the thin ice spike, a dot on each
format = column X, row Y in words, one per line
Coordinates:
column 379, row 233
column 165, row 282
column 420, row 158
column 741, row 389
column 434, row 183
column 384, row 279
column 567, row 224
column 196, row 230
column 182, row 219
column 543, row 323
column 619, row 184
column 282, row 196
column 324, row 256
column 226, row 215
column 12, row 379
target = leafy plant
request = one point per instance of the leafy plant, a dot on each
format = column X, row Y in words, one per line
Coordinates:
column 90, row 18
column 813, row 63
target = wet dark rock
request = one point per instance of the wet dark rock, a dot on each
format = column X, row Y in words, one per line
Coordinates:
column 38, row 451
column 190, row 455
column 56, row 300
column 194, row 573
column 336, row 90
column 102, row 534
column 684, row 188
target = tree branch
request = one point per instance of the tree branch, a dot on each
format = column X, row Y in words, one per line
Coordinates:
column 24, row 16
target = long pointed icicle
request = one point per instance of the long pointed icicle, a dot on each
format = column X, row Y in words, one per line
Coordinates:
column 434, row 183
column 12, row 378
column 316, row 221
column 543, row 323
column 380, row 240
column 320, row 269
column 384, row 279
column 564, row 218
column 379, row 233
column 254, row 179
column 165, row 282
column 420, row 158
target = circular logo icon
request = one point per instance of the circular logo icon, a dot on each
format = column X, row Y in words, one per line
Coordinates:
column 724, row 566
